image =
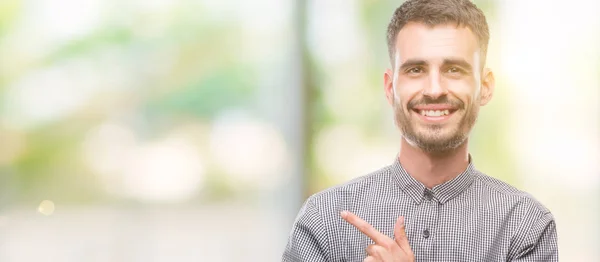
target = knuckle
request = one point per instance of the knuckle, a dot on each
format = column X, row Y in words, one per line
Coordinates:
column 361, row 225
column 388, row 245
column 370, row 249
column 363, row 228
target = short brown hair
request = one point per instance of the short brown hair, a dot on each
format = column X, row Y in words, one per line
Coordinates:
column 436, row 12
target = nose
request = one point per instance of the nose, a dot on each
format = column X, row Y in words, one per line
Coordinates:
column 435, row 87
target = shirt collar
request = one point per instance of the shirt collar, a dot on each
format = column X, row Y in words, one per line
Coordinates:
column 441, row 193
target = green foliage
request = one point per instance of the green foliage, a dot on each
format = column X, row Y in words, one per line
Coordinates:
column 9, row 10
column 88, row 44
column 206, row 96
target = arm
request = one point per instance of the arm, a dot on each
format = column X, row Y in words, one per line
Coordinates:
column 540, row 242
column 308, row 239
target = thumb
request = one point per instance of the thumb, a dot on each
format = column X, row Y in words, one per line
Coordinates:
column 400, row 235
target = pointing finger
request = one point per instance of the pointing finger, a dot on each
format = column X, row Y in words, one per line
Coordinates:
column 379, row 253
column 400, row 235
column 365, row 228
column 370, row 259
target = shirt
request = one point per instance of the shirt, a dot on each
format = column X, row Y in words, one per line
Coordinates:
column 472, row 217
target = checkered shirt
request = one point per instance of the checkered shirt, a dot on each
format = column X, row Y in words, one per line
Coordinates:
column 472, row 217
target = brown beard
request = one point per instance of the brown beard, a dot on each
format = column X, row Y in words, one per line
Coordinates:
column 433, row 142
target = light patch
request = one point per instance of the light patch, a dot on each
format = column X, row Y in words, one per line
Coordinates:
column 477, row 72
column 46, row 208
column 395, row 76
column 251, row 151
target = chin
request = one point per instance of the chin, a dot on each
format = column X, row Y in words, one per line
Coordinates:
column 439, row 141
column 436, row 132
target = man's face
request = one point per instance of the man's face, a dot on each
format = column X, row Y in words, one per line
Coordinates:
column 436, row 85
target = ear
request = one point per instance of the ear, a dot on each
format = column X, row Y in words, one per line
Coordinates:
column 488, row 83
column 388, row 85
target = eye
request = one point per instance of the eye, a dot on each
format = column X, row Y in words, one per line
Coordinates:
column 415, row 70
column 454, row 70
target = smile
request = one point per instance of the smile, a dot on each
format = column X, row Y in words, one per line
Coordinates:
column 434, row 113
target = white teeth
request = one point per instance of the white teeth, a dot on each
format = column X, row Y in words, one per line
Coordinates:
column 434, row 112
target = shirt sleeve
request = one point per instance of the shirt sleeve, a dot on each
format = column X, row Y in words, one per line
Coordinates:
column 308, row 239
column 540, row 243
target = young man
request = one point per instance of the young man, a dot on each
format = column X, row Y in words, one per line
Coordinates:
column 430, row 204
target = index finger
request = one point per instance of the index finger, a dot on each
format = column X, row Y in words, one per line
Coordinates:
column 365, row 228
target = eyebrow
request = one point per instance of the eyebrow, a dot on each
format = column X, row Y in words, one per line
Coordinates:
column 448, row 61
column 459, row 62
column 412, row 62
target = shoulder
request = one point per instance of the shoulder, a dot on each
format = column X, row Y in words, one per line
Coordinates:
column 501, row 193
column 530, row 224
column 344, row 194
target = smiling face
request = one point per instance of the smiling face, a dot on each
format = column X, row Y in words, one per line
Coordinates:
column 437, row 85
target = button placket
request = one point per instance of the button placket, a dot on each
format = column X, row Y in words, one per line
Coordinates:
column 426, row 218
column 428, row 195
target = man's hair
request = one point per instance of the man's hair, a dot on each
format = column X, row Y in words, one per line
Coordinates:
column 437, row 12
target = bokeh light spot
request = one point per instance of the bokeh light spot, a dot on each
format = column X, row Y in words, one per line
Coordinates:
column 46, row 207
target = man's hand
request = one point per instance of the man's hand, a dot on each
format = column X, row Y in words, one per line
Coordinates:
column 385, row 249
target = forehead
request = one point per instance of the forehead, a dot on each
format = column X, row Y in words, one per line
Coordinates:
column 431, row 43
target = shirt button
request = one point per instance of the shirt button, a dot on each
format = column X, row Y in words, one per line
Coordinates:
column 426, row 233
column 428, row 195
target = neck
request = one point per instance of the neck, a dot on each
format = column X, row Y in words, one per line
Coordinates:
column 432, row 169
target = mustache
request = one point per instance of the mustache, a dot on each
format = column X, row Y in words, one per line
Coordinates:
column 440, row 100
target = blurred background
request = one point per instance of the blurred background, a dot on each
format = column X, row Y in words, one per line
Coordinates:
column 193, row 130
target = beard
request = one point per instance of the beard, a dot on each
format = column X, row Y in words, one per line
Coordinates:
column 435, row 138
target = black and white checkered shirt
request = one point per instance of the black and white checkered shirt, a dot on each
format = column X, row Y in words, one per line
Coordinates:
column 473, row 217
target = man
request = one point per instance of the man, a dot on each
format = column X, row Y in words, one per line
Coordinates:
column 430, row 204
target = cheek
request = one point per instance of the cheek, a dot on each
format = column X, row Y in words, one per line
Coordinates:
column 465, row 91
column 410, row 85
column 407, row 90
